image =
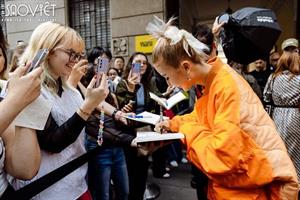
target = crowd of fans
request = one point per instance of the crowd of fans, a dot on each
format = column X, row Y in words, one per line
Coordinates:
column 230, row 140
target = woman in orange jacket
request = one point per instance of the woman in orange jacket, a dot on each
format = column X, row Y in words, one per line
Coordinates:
column 228, row 136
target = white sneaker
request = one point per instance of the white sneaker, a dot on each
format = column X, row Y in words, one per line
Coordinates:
column 166, row 175
column 174, row 163
column 184, row 160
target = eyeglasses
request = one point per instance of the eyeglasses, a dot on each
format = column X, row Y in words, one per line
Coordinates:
column 73, row 55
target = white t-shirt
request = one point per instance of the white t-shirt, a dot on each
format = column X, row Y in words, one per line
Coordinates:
column 3, row 180
column 74, row 185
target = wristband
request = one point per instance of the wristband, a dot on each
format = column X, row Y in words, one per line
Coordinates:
column 83, row 112
column 113, row 115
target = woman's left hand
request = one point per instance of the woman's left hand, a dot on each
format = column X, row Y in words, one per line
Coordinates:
column 149, row 147
column 169, row 90
column 120, row 116
column 78, row 72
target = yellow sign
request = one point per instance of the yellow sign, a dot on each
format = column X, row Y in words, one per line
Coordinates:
column 144, row 43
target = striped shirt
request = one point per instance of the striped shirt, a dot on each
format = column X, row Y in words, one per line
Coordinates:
column 285, row 93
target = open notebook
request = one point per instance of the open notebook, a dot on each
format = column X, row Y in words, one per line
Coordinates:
column 146, row 117
column 168, row 103
column 154, row 136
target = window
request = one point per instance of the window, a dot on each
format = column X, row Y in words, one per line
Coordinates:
column 2, row 16
column 91, row 19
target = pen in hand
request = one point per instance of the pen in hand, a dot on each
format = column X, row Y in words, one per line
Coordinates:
column 161, row 119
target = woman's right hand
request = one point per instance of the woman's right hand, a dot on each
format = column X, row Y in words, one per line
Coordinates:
column 78, row 72
column 94, row 96
column 162, row 127
column 23, row 89
column 133, row 79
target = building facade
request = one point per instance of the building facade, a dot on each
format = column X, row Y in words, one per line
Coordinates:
column 119, row 25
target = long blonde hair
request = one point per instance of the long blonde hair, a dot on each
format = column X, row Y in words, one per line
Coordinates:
column 174, row 45
column 49, row 35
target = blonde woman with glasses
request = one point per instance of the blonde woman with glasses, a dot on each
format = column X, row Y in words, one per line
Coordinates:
column 62, row 139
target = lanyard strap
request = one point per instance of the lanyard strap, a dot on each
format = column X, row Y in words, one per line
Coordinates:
column 49, row 179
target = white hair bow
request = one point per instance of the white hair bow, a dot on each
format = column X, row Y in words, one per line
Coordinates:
column 158, row 28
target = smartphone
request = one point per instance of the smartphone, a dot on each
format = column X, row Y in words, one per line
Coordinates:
column 39, row 57
column 102, row 65
column 101, row 68
column 132, row 102
column 136, row 68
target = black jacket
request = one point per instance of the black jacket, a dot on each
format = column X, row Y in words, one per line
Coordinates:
column 56, row 138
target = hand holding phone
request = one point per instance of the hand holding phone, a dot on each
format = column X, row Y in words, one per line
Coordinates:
column 39, row 57
column 131, row 102
column 129, row 107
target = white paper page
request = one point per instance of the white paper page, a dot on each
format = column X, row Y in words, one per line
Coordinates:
column 169, row 103
column 159, row 100
column 146, row 117
column 173, row 100
column 154, row 136
column 34, row 115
